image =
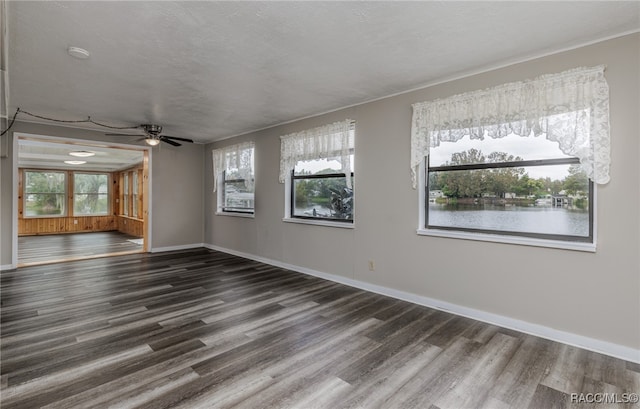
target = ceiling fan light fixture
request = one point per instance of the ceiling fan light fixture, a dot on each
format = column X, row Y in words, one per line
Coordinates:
column 82, row 154
column 75, row 162
column 153, row 141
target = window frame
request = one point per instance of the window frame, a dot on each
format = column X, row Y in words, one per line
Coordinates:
column 545, row 105
column 578, row 243
column 220, row 179
column 224, row 210
column 129, row 203
column 126, row 194
column 292, row 197
column 69, row 192
column 327, row 142
column 66, row 212
column 73, row 195
column 134, row 194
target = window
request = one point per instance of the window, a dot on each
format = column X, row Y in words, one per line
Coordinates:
column 234, row 172
column 316, row 166
column 44, row 193
column 319, row 190
column 65, row 193
column 520, row 159
column 134, row 193
column 125, row 194
column 131, row 191
column 90, row 194
column 523, row 186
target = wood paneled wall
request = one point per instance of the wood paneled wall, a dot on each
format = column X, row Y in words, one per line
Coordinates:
column 135, row 204
column 128, row 225
column 57, row 225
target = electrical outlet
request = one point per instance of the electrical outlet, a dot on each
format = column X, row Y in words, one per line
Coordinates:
column 75, row 221
column 372, row 266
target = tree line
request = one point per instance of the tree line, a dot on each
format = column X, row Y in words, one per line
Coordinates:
column 499, row 181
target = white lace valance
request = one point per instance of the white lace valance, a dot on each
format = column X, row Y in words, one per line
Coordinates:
column 334, row 142
column 570, row 108
column 240, row 157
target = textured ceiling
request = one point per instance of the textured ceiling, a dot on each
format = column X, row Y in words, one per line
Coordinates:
column 210, row 70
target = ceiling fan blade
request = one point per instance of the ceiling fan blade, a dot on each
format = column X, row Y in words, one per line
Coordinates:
column 121, row 134
column 169, row 141
column 178, row 139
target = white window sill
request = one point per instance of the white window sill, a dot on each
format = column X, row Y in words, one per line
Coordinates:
column 343, row 225
column 236, row 214
column 496, row 238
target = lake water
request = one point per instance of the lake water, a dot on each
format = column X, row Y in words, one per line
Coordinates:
column 320, row 211
column 529, row 219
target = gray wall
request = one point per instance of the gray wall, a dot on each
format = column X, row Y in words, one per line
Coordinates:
column 6, row 204
column 177, row 200
column 593, row 295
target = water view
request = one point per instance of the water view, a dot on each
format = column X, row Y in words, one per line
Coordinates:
column 528, row 219
column 313, row 210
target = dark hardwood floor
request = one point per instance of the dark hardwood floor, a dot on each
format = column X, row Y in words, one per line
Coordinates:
column 33, row 250
column 204, row 329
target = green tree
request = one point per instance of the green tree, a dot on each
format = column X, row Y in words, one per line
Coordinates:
column 467, row 157
column 552, row 187
column 460, row 184
column 503, row 180
column 44, row 192
column 527, row 186
column 90, row 193
column 305, row 190
column 473, row 183
column 577, row 181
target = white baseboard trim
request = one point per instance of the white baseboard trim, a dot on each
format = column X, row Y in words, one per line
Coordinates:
column 591, row 344
column 174, row 248
column 6, row 267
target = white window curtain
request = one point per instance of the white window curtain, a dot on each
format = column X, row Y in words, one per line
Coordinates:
column 334, row 142
column 239, row 156
column 570, row 108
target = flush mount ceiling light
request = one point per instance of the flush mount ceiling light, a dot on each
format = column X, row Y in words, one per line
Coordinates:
column 79, row 53
column 75, row 162
column 82, row 154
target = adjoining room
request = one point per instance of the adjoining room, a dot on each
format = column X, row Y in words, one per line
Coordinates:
column 78, row 200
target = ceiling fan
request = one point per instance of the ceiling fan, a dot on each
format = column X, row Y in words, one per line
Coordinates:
column 153, row 136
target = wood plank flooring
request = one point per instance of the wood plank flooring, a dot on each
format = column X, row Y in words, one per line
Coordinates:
column 34, row 250
column 204, row 329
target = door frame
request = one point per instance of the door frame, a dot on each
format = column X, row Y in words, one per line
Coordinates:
column 146, row 198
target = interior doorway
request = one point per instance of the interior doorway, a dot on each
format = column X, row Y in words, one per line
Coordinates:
column 80, row 199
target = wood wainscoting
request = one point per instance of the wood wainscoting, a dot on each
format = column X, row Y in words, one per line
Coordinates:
column 128, row 225
column 57, row 225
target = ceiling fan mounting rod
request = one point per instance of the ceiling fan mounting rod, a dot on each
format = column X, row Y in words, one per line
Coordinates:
column 151, row 128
